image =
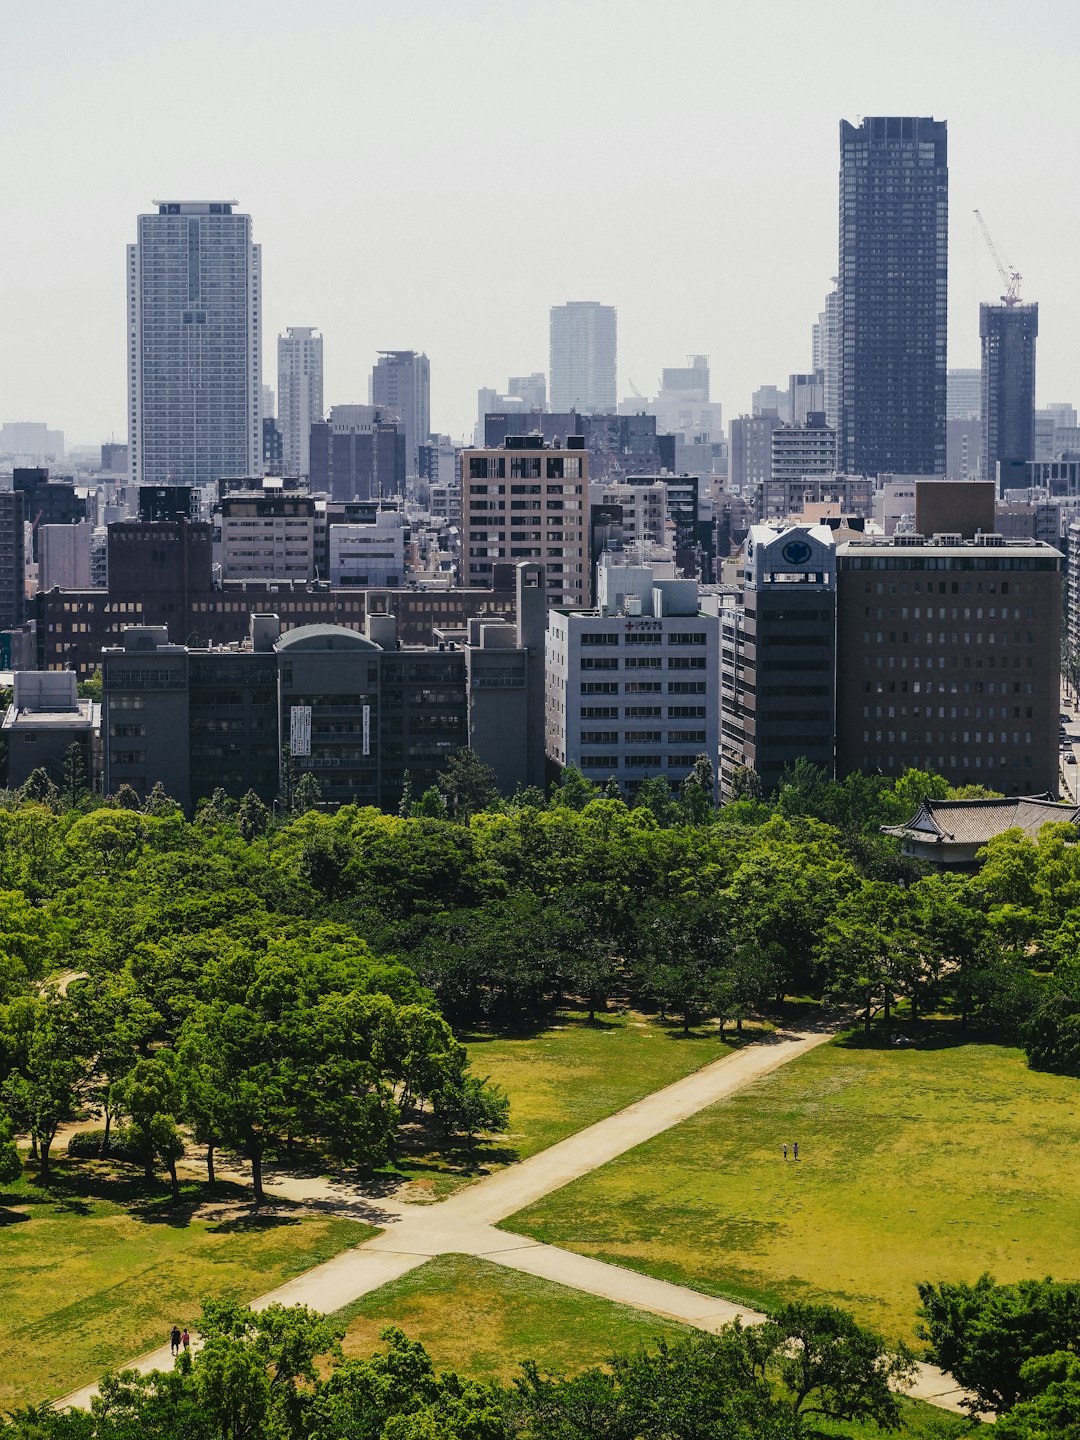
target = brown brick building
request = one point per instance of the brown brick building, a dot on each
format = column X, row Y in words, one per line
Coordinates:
column 948, row 659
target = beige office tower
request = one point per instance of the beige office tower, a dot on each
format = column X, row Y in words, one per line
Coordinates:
column 527, row 500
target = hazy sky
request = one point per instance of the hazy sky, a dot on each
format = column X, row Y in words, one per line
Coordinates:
column 435, row 175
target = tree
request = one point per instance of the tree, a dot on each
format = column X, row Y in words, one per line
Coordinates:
column 697, row 792
column 1051, row 1407
column 467, row 785
column 431, row 805
column 253, row 818
column 288, row 779
column 50, row 1076
column 983, row 1334
column 158, row 802
column 307, row 794
column 467, row 1105
column 405, row 804
column 745, row 784
column 572, row 791
column 870, row 949
column 39, row 788
column 149, row 1094
column 118, row 1024
column 126, row 798
column 833, row 1367
column 74, row 785
column 1051, row 1037
column 10, row 1159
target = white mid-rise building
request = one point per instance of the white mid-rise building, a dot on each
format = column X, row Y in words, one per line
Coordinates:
column 633, row 686
column 194, row 308
column 300, row 395
column 369, row 555
column 583, row 357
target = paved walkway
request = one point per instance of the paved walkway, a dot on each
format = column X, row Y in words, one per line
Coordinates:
column 465, row 1223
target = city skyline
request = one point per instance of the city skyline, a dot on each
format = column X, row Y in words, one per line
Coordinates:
column 737, row 272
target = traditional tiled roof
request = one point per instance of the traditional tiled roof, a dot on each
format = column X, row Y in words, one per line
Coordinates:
column 975, row 822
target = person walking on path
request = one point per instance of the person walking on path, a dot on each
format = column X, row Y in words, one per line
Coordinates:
column 174, row 1340
column 785, row 1149
column 185, row 1340
column 795, row 1149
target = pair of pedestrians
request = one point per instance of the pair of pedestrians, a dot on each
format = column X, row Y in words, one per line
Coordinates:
column 180, row 1339
column 794, row 1148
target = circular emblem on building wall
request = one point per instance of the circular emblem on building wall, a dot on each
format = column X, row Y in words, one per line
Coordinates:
column 796, row 552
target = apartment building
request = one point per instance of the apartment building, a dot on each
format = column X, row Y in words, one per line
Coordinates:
column 266, row 536
column 527, row 500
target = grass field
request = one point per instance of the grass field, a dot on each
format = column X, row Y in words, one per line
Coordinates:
column 561, row 1078
column 482, row 1320
column 95, row 1271
column 924, row 1163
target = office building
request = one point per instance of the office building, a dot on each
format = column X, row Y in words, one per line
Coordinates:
column 771, row 400
column 632, row 685
column 31, row 441
column 12, row 559
column 778, row 656
column 527, row 500
column 894, row 216
column 266, row 536
column 47, row 502
column 114, row 458
column 950, row 659
column 360, row 452
column 582, row 360
column 799, row 452
column 617, row 444
column 194, row 327
column 1008, row 334
column 825, row 355
column 963, row 449
column 364, row 712
column 401, row 384
column 963, row 394
column 750, row 453
column 368, row 554
column 806, row 394
column 46, row 717
column 530, row 389
column 64, row 556
column 300, row 394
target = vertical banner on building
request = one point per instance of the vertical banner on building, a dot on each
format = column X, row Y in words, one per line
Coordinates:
column 300, row 730
column 367, row 729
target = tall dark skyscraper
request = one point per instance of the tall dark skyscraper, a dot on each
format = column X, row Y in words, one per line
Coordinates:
column 1008, row 386
column 894, row 241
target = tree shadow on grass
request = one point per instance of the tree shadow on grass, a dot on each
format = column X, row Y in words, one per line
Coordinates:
column 937, row 1033
column 10, row 1217
column 246, row 1224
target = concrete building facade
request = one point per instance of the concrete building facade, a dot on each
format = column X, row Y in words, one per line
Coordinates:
column 266, row 536
column 300, row 395
column 583, row 357
column 401, row 383
column 194, row 326
column 1008, row 334
column 632, row 686
column 950, row 660
column 894, row 218
column 527, row 500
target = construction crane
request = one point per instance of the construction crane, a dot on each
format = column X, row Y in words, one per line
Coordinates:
column 1010, row 278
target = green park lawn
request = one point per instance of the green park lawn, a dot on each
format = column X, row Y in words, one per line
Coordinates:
column 560, row 1078
column 482, row 1320
column 937, row 1161
column 95, row 1270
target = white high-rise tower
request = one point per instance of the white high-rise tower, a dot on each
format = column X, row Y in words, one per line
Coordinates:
column 300, row 394
column 194, row 311
column 583, row 340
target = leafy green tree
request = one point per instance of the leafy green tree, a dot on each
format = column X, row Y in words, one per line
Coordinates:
column 468, row 1105
column 10, row 1159
column 50, row 1076
column 158, row 802
column 39, row 788
column 983, row 1334
column 118, row 1023
column 308, row 793
column 431, row 805
column 746, row 784
column 833, row 1367
column 74, row 785
column 149, row 1095
column 1051, row 1407
column 405, row 804
column 697, row 791
column 126, row 798
column 1051, row 1036
column 572, row 791
column 253, row 818
column 656, row 795
column 467, row 785
column 870, row 949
